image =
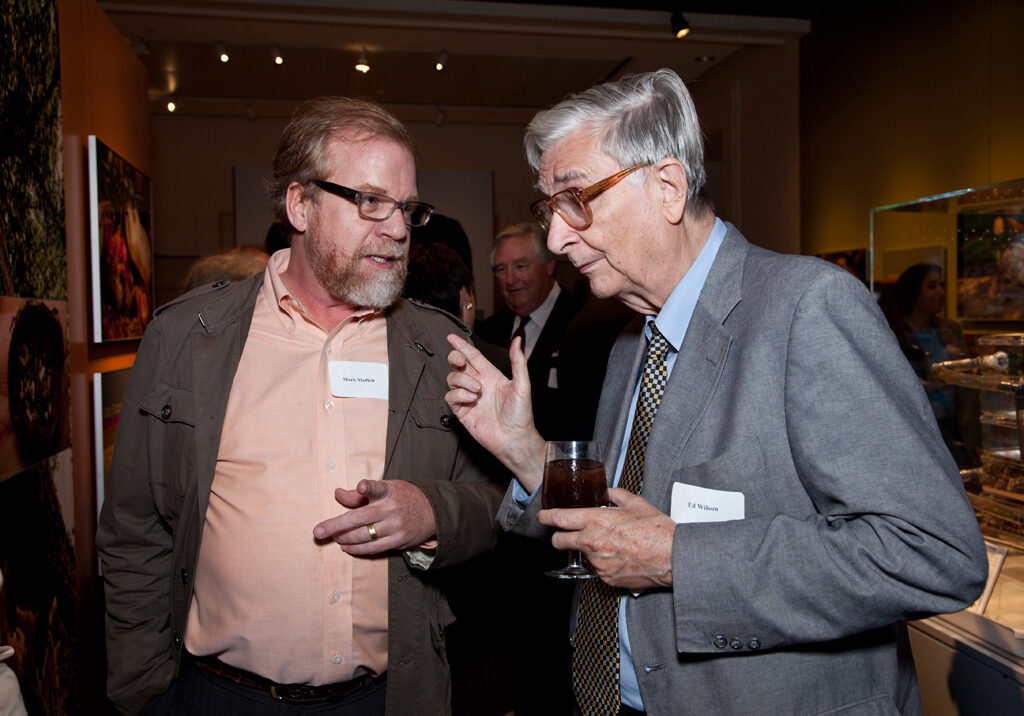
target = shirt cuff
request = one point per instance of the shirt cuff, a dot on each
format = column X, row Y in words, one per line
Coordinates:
column 519, row 494
column 423, row 556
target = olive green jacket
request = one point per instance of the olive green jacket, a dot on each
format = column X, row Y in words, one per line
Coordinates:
column 158, row 490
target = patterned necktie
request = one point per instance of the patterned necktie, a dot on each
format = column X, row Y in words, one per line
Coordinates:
column 521, row 332
column 595, row 659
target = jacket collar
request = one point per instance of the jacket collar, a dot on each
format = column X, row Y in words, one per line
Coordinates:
column 696, row 373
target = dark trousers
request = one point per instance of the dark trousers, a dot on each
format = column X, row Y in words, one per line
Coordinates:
column 197, row 692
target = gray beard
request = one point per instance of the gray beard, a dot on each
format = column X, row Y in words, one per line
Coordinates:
column 351, row 282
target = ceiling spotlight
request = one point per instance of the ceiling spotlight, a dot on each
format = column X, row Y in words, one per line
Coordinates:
column 442, row 60
column 275, row 52
column 680, row 27
column 222, row 53
column 363, row 65
column 171, row 106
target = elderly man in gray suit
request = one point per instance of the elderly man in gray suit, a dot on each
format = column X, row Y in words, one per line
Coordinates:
column 794, row 503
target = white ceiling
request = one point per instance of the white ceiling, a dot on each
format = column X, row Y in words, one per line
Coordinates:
column 506, row 60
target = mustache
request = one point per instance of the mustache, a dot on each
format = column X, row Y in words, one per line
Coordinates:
column 394, row 251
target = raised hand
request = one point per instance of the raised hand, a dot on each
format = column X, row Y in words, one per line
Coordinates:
column 496, row 411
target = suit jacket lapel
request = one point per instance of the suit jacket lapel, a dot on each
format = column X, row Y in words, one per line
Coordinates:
column 554, row 328
column 217, row 340
column 698, row 368
column 408, row 350
column 695, row 375
column 620, row 382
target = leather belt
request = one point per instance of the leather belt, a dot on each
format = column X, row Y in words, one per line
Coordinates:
column 288, row 693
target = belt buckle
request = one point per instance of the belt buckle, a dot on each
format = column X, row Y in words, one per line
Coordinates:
column 273, row 693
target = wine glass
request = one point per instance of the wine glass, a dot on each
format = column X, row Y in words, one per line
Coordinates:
column 573, row 477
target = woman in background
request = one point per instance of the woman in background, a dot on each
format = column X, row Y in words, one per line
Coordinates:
column 927, row 338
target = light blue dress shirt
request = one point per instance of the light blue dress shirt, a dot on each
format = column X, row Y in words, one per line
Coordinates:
column 672, row 321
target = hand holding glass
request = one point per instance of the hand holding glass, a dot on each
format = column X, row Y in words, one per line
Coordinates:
column 573, row 477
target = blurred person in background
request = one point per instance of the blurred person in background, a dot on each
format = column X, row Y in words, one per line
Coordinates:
column 927, row 337
column 234, row 264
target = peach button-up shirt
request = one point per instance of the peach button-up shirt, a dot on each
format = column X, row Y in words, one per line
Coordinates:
column 268, row 598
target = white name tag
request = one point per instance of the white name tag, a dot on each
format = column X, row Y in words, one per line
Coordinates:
column 698, row 504
column 351, row 379
column 553, row 378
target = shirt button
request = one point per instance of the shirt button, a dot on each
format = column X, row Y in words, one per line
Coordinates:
column 720, row 642
column 335, row 598
column 736, row 644
column 329, row 404
column 337, row 658
column 331, row 465
column 328, row 350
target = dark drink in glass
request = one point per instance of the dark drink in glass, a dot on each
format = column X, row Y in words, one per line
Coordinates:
column 571, row 482
column 573, row 477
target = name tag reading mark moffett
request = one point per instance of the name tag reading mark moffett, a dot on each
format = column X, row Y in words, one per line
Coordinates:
column 351, row 379
column 698, row 504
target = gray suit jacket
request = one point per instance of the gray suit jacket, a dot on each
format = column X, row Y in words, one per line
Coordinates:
column 162, row 470
column 791, row 389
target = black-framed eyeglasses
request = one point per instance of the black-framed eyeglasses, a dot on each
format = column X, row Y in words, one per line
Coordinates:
column 377, row 207
column 572, row 203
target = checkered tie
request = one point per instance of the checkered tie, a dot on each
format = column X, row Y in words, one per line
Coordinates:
column 595, row 660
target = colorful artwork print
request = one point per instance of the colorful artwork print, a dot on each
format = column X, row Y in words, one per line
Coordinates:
column 33, row 252
column 990, row 274
column 122, row 249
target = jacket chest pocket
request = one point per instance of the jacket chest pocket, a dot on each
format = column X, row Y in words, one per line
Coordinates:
column 430, row 441
column 170, row 440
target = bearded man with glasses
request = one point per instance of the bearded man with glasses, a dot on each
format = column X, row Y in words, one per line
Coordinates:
column 287, row 479
column 783, row 501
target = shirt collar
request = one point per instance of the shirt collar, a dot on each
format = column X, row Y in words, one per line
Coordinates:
column 674, row 317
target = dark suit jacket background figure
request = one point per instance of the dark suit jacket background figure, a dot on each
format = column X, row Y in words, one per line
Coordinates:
column 583, row 360
column 549, row 408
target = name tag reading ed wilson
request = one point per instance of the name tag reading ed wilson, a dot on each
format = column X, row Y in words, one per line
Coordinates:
column 352, row 379
column 698, row 504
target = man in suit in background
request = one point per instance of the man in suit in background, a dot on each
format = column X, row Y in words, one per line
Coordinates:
column 784, row 500
column 538, row 309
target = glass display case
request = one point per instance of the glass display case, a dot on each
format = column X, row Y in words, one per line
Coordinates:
column 972, row 661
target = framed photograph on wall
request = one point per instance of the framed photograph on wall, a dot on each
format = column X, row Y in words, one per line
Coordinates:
column 990, row 274
column 120, row 214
